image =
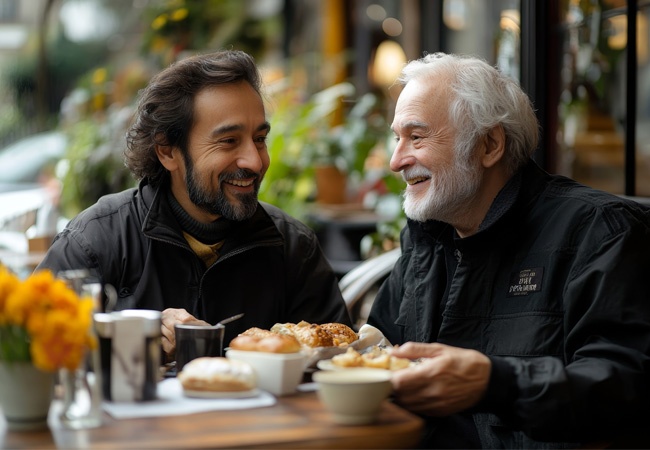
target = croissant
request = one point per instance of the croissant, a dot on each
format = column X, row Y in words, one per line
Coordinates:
column 308, row 334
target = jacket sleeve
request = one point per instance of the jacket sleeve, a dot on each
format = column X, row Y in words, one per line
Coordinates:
column 386, row 307
column 603, row 383
column 68, row 252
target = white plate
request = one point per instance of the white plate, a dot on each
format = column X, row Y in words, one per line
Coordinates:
column 327, row 364
column 213, row 394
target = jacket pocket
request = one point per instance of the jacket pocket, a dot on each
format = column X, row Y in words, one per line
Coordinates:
column 525, row 334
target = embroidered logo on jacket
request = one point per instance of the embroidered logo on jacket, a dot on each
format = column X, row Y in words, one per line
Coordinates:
column 526, row 281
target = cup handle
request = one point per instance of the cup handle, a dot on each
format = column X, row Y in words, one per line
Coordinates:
column 111, row 297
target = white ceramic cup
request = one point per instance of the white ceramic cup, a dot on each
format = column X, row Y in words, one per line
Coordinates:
column 277, row 373
column 353, row 396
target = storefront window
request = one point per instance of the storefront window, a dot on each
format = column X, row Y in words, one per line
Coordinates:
column 643, row 101
column 592, row 105
column 486, row 28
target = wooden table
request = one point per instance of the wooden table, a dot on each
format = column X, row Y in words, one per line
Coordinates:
column 295, row 421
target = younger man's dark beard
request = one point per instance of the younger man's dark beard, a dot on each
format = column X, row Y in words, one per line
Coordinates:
column 218, row 203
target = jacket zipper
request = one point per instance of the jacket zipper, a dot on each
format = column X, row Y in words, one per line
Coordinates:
column 231, row 254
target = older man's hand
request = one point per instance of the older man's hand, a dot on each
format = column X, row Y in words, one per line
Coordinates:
column 446, row 381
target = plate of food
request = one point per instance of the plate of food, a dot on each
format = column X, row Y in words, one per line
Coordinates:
column 375, row 357
column 218, row 377
column 221, row 394
column 327, row 364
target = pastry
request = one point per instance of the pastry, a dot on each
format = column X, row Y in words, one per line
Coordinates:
column 314, row 335
column 376, row 360
column 257, row 332
column 341, row 333
column 278, row 343
column 268, row 343
column 351, row 358
column 376, row 357
column 217, row 374
column 245, row 342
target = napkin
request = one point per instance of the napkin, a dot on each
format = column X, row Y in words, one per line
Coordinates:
column 172, row 402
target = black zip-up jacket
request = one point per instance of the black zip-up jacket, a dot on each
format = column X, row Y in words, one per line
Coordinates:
column 554, row 289
column 270, row 267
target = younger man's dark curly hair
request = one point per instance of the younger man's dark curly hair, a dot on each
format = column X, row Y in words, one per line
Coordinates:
column 165, row 109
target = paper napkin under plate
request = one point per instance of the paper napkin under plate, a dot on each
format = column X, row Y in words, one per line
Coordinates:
column 172, row 402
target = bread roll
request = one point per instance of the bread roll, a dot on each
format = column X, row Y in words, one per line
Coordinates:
column 257, row 332
column 265, row 341
column 245, row 342
column 217, row 374
column 308, row 334
column 269, row 343
column 278, row 343
column 341, row 333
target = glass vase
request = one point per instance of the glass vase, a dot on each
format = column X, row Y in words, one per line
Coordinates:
column 81, row 399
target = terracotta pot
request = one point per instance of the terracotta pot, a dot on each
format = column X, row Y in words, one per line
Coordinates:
column 330, row 185
column 25, row 395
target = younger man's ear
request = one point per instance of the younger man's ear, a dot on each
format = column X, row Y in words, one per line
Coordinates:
column 168, row 156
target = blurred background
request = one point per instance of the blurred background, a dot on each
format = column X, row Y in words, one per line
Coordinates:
column 70, row 71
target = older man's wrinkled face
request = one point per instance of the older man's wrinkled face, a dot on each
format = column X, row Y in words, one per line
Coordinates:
column 439, row 183
column 227, row 155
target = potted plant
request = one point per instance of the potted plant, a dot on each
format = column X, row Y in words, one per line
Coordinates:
column 44, row 326
column 319, row 138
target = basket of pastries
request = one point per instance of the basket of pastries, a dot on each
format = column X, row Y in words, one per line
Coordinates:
column 315, row 341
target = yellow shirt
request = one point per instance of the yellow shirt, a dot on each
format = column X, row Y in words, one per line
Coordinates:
column 208, row 253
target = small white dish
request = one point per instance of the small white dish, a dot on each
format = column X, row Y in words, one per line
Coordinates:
column 353, row 396
column 277, row 373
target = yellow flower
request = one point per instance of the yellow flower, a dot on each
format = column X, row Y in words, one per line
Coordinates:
column 58, row 324
column 8, row 282
column 100, row 75
column 179, row 14
column 159, row 22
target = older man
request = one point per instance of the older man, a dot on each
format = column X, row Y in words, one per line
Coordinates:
column 523, row 294
column 192, row 240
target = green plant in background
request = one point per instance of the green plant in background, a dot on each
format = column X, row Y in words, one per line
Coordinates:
column 93, row 165
column 304, row 135
column 174, row 26
column 66, row 62
column 347, row 144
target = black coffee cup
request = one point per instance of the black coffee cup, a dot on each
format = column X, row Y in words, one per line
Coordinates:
column 195, row 341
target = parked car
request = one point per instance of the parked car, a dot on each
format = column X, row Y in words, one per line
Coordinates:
column 23, row 163
column 25, row 192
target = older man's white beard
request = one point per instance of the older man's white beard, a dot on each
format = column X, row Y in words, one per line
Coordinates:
column 447, row 197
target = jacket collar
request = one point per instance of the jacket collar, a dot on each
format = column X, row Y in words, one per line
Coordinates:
column 527, row 182
column 159, row 222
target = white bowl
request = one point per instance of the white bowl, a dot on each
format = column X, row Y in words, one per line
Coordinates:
column 277, row 373
column 353, row 396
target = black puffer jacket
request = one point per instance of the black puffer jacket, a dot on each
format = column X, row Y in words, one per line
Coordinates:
column 271, row 267
column 554, row 289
